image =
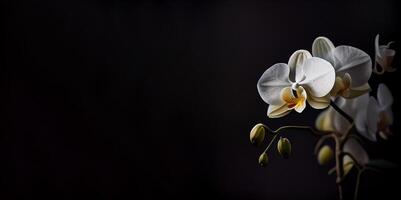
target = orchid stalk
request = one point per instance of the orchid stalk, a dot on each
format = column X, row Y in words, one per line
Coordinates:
column 334, row 79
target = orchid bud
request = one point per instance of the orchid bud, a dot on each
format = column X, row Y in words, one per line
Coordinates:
column 325, row 155
column 284, row 147
column 257, row 134
column 263, row 159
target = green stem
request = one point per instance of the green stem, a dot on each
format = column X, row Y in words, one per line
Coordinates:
column 271, row 142
column 357, row 183
column 294, row 127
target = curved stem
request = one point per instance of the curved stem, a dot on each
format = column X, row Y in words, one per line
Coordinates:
column 358, row 178
column 271, row 142
column 339, row 110
column 339, row 166
column 312, row 130
column 322, row 139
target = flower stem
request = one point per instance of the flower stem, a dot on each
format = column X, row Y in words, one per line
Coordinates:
column 271, row 142
column 311, row 130
column 339, row 165
column 358, row 178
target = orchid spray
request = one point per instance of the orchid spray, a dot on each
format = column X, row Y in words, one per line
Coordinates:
column 335, row 79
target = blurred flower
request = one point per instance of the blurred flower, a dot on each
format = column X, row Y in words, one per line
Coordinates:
column 353, row 67
column 354, row 148
column 377, row 116
column 325, row 155
column 332, row 121
column 384, row 57
column 305, row 78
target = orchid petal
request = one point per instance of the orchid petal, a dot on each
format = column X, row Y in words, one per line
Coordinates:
column 360, row 124
column 354, row 61
column 357, row 91
column 377, row 46
column 272, row 81
column 340, row 123
column 276, row 111
column 295, row 63
column 319, row 102
column 384, row 96
column 353, row 147
column 319, row 76
column 322, row 47
column 360, row 103
column 372, row 118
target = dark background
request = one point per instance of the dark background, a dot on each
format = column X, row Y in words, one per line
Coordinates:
column 155, row 99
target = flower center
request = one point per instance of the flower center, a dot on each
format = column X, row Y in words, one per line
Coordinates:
column 295, row 86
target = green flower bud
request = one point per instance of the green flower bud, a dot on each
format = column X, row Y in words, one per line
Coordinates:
column 263, row 159
column 325, row 155
column 284, row 147
column 257, row 134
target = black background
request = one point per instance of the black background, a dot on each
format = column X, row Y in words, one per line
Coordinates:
column 155, row 99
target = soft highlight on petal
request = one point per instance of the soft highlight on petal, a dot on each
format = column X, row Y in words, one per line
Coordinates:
column 318, row 102
column 319, row 76
column 357, row 91
column 272, row 81
column 384, row 96
column 277, row 111
column 295, row 63
column 322, row 47
column 354, row 61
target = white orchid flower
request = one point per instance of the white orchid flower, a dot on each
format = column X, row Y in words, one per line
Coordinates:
column 354, row 148
column 384, row 57
column 288, row 86
column 353, row 67
column 377, row 116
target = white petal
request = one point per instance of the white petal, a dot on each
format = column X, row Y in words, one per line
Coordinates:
column 319, row 76
column 322, row 47
column 318, row 102
column 384, row 96
column 377, row 45
column 295, row 63
column 372, row 117
column 276, row 111
column 360, row 103
column 354, row 61
column 353, row 147
column 357, row 91
column 272, row 81
column 340, row 124
column 360, row 124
